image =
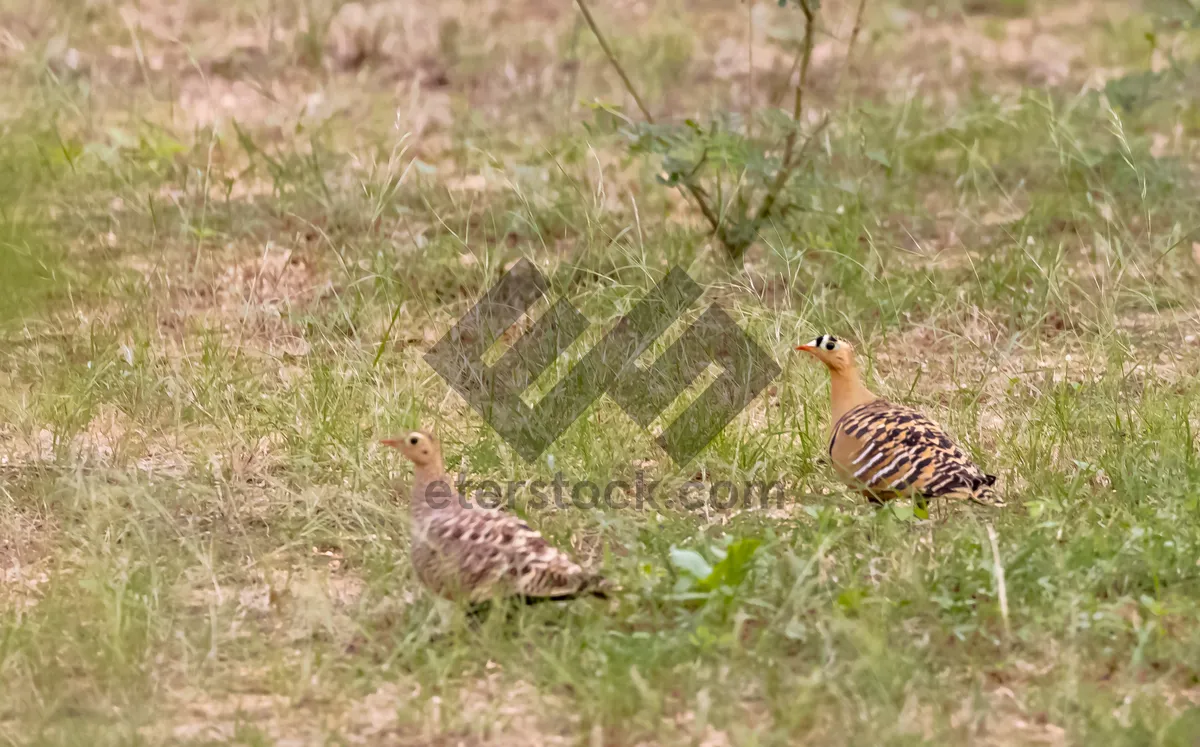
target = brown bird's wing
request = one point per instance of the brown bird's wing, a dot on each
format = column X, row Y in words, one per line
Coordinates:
column 889, row 450
column 484, row 552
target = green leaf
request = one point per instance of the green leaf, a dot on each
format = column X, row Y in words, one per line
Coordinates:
column 691, row 562
column 779, row 121
column 851, row 599
column 733, row 568
column 879, row 157
column 795, row 630
column 677, row 166
column 1139, row 90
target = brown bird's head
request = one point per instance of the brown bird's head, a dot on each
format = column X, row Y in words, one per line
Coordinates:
column 837, row 354
column 419, row 447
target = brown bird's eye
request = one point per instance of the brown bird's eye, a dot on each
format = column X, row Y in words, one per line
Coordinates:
column 829, row 346
column 414, row 440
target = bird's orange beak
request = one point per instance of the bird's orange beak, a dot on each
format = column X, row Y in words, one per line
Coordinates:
column 806, row 348
column 393, row 442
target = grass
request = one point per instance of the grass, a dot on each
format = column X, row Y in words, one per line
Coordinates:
column 223, row 263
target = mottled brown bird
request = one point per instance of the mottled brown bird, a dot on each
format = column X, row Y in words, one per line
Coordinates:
column 888, row 450
column 469, row 553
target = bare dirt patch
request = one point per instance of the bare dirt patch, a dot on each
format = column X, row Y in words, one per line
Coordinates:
column 109, row 439
column 1008, row 720
column 302, row 600
column 216, row 102
column 25, row 552
column 249, row 299
column 1048, row 48
column 515, row 712
column 197, row 715
column 491, row 711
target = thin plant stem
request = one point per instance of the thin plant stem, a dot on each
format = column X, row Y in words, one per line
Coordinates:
column 612, row 60
column 786, row 165
column 858, row 16
column 736, row 242
column 998, row 574
column 697, row 194
column 791, row 158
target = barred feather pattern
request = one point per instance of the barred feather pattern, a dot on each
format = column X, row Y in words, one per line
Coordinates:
column 888, row 450
column 475, row 554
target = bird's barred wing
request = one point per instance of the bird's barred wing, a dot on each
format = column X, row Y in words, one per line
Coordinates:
column 495, row 552
column 889, row 449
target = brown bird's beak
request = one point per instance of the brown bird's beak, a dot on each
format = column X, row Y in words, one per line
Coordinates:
column 806, row 348
column 393, row 442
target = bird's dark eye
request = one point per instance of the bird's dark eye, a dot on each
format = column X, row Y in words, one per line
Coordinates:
column 414, row 440
column 829, row 345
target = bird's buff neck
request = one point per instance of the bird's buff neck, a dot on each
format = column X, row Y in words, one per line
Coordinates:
column 442, row 498
column 846, row 392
